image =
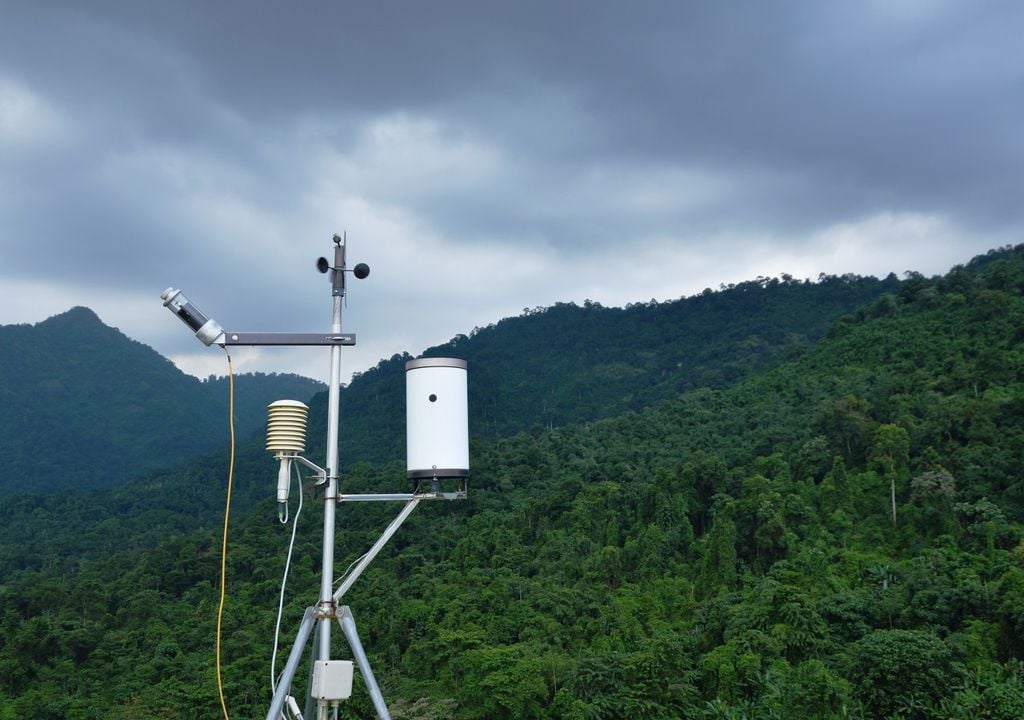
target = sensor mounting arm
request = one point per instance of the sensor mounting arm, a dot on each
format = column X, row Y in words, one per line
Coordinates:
column 286, row 338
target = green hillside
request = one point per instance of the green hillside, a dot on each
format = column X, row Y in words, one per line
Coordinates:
column 728, row 553
column 568, row 364
column 83, row 406
column 660, row 349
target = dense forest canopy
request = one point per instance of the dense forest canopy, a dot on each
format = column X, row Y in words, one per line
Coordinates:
column 837, row 534
column 83, row 406
column 567, row 364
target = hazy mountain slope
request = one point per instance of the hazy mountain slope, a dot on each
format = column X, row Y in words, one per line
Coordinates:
column 81, row 405
column 707, row 339
column 569, row 364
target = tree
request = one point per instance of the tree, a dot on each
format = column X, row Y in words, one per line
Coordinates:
column 897, row 670
column 890, row 453
column 935, row 491
column 719, row 552
column 845, row 423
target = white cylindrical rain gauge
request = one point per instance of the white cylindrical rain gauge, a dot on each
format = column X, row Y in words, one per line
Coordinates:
column 437, row 418
column 286, row 427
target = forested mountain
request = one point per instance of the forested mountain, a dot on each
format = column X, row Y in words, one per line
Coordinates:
column 568, row 364
column 81, row 406
column 522, row 370
column 659, row 349
column 836, row 537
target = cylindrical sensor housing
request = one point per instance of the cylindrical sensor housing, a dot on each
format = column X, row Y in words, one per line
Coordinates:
column 286, row 427
column 207, row 330
column 437, row 418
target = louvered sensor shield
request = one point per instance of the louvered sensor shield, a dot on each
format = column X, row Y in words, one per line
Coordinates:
column 286, row 437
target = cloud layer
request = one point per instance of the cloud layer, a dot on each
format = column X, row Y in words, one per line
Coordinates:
column 486, row 157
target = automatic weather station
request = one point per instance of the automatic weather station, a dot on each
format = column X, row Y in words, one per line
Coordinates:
column 437, row 463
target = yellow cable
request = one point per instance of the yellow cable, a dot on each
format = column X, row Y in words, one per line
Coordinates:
column 227, row 515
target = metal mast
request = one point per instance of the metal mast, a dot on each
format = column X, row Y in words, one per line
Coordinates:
column 330, row 680
column 326, row 604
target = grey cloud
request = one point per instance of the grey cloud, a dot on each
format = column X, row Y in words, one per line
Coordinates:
column 217, row 145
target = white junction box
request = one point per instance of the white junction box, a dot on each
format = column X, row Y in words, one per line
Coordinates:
column 332, row 680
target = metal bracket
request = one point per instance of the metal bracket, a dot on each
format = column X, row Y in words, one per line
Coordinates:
column 370, row 554
column 371, row 497
column 284, row 338
column 326, row 609
column 321, row 474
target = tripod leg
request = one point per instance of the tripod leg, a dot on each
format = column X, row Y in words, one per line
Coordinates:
column 348, row 626
column 314, row 655
column 285, row 683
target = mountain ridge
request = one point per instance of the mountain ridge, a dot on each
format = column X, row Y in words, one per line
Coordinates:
column 83, row 405
column 568, row 363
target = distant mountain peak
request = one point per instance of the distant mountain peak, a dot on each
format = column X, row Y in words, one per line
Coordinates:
column 79, row 314
column 73, row 381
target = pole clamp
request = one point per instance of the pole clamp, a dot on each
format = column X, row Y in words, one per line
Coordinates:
column 327, row 609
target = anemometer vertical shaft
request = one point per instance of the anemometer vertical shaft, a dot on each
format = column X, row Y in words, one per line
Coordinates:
column 326, row 602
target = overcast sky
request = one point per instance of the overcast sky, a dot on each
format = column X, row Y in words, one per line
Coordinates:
column 487, row 157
